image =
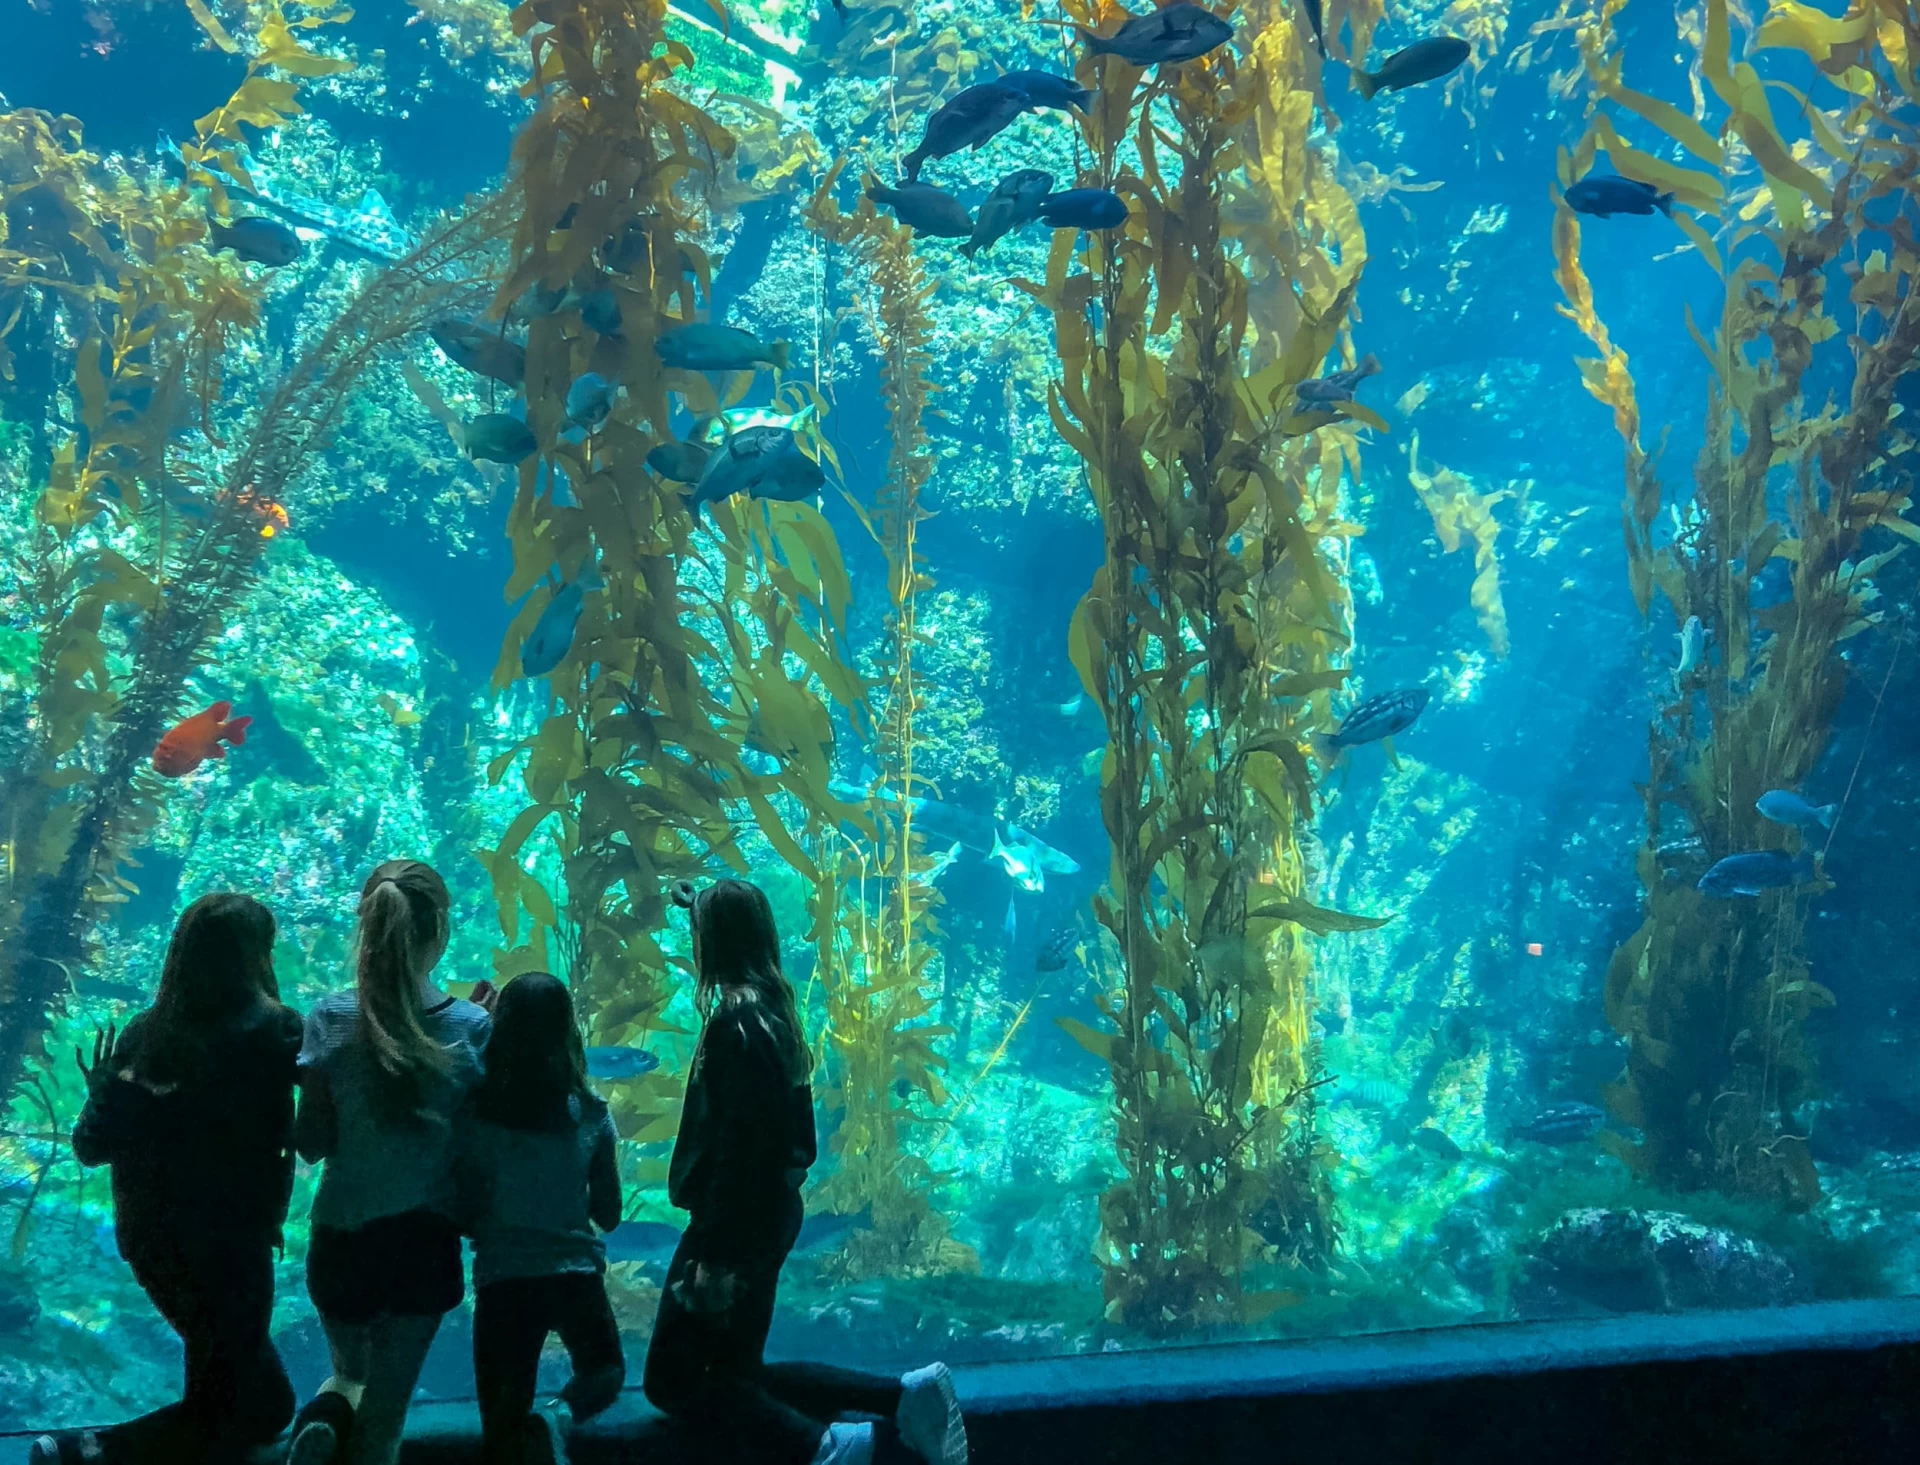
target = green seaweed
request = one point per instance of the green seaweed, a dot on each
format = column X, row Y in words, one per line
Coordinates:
column 1714, row 995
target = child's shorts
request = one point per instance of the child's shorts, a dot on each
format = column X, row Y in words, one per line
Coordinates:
column 406, row 1265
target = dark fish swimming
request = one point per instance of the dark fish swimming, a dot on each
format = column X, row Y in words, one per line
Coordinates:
column 1757, row 872
column 1015, row 201
column 620, row 1063
column 763, row 462
column 496, row 437
column 1605, row 194
column 1337, row 386
column 1044, row 89
column 263, row 241
column 1084, row 208
column 1427, row 60
column 481, row 351
column 590, row 401
column 551, row 638
column 1385, row 716
column 600, row 312
column 1436, row 1142
column 1055, row 950
column 1563, row 1124
column 1172, row 34
column 682, row 462
column 703, row 346
column 970, row 120
column 648, row 1242
column 925, row 209
column 1312, row 8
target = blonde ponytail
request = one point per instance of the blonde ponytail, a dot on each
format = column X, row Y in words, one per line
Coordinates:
column 403, row 925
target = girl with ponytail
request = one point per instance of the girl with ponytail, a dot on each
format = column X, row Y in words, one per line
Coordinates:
column 384, row 1066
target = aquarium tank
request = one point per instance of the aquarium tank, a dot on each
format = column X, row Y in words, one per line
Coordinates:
column 1303, row 609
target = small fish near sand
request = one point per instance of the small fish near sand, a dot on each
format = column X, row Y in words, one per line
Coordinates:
column 1169, row 36
column 971, row 119
column 616, row 1064
column 481, row 351
column 1757, row 872
column 1563, row 1124
column 1437, row 1143
column 702, row 346
column 1014, row 202
column 262, row 241
column 1083, row 208
column 194, row 740
column 496, row 437
column 1427, row 60
column 924, row 209
column 1337, row 386
column 1783, row 806
column 1605, row 194
column 1044, row 89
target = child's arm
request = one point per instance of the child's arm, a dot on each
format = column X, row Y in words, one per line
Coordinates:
column 120, row 1117
column 316, row 1127
column 603, row 1178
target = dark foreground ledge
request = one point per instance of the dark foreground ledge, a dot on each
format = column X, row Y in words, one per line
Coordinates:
column 1824, row 1384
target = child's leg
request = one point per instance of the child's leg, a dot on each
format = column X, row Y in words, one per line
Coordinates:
column 397, row 1347
column 584, row 1319
column 350, row 1347
column 508, row 1330
column 827, row 1392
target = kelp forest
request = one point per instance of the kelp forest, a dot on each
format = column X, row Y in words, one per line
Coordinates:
column 1269, row 836
column 1715, row 1004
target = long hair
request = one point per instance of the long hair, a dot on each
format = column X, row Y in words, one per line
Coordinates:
column 218, row 973
column 403, row 928
column 736, row 951
column 535, row 1061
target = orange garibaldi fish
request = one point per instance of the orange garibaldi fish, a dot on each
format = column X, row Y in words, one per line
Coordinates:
column 198, row 738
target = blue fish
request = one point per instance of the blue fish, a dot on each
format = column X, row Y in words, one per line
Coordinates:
column 1044, row 89
column 1755, row 872
column 620, row 1063
column 590, row 400
column 1010, row 928
column 1083, row 208
column 647, row 1242
column 1605, row 194
column 552, row 635
column 1784, row 807
column 1381, row 717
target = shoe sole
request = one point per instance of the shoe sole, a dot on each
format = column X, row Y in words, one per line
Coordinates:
column 949, row 1434
column 316, row 1444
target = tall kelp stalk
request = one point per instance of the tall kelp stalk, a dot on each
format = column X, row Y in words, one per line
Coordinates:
column 1714, row 993
column 152, row 312
column 1208, row 639
column 82, row 839
column 874, row 922
column 676, row 667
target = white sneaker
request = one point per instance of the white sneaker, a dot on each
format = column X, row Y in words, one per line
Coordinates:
column 846, row 1444
column 929, row 1416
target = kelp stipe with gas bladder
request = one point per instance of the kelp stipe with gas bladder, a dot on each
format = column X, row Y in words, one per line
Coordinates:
column 684, row 655
column 874, row 923
column 1713, row 994
column 1209, row 641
